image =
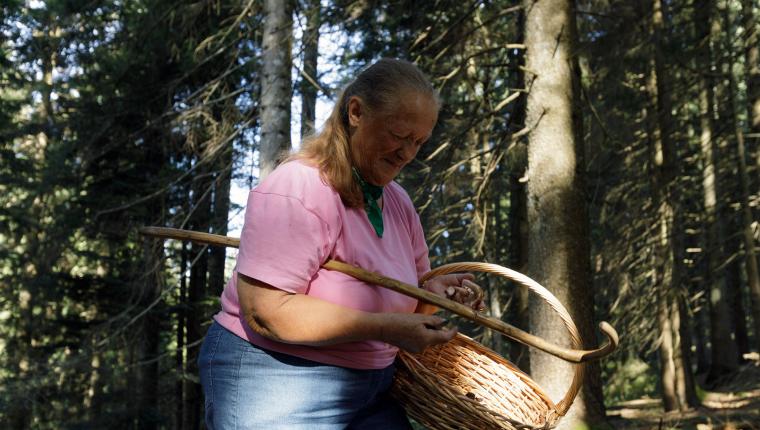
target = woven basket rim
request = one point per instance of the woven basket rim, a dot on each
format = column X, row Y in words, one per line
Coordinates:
column 523, row 280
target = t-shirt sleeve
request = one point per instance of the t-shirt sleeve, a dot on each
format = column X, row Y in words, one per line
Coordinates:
column 282, row 243
column 421, row 257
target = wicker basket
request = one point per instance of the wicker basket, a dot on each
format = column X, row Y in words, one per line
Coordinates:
column 463, row 385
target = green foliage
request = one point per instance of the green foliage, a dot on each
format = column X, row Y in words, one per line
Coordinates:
column 104, row 110
column 629, row 380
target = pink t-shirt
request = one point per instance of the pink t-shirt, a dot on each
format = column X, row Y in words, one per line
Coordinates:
column 294, row 222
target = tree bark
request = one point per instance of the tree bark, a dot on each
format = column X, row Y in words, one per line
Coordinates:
column 310, row 78
column 275, row 84
column 558, row 248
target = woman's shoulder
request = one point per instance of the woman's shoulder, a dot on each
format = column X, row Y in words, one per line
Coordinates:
column 300, row 181
column 399, row 194
column 294, row 178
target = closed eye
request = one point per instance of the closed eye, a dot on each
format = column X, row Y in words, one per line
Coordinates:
column 416, row 142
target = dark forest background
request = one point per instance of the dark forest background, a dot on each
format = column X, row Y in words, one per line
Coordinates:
column 626, row 183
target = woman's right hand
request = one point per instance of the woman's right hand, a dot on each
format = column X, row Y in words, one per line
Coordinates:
column 415, row 332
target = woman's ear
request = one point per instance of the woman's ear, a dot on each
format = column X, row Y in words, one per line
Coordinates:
column 354, row 111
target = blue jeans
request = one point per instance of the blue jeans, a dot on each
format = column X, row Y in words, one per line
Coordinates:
column 247, row 387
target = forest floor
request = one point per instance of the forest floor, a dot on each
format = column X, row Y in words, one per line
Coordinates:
column 732, row 404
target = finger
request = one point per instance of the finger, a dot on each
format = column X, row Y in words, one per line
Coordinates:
column 448, row 334
column 438, row 326
column 432, row 320
column 437, row 321
column 442, row 336
column 465, row 276
column 476, row 289
column 436, row 286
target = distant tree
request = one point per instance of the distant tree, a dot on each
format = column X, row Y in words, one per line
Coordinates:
column 309, row 83
column 724, row 350
column 668, row 266
column 752, row 62
column 276, row 88
column 752, row 72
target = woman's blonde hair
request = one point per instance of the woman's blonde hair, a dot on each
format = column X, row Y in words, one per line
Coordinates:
column 379, row 87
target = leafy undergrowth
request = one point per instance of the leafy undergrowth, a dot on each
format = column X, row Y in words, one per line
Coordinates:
column 733, row 404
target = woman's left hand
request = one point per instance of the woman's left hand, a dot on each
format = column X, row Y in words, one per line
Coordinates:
column 458, row 287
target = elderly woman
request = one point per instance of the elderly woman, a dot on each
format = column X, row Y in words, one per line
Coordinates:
column 296, row 346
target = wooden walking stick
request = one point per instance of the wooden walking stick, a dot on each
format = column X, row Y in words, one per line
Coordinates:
column 567, row 354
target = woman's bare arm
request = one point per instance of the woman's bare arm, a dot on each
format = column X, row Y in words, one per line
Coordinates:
column 301, row 319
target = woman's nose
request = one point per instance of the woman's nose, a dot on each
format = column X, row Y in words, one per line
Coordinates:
column 407, row 151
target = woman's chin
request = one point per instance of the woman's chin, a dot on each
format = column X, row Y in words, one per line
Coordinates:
column 381, row 182
column 385, row 179
column 384, row 176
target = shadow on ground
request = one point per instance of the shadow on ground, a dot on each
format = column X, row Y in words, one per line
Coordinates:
column 733, row 404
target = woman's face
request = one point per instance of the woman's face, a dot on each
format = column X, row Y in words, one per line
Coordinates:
column 382, row 143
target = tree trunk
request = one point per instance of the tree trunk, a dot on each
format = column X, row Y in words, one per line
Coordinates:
column 685, row 384
column 219, row 217
column 724, row 351
column 679, row 322
column 193, row 394
column 703, row 352
column 93, row 396
column 558, row 248
column 195, row 314
column 753, row 93
column 668, row 265
column 518, row 208
column 310, row 78
column 148, row 377
column 275, row 84
column 179, row 410
column 150, row 285
column 666, row 352
column 752, row 62
column 519, row 313
column 42, row 251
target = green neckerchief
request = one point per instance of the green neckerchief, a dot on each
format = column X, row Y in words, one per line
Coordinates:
column 371, row 194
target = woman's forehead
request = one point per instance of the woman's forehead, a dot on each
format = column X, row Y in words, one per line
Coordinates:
column 414, row 112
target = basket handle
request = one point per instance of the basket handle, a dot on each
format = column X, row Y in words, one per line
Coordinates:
column 612, row 337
